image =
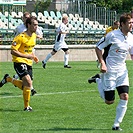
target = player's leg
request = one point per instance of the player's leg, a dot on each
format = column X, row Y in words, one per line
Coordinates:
column 98, row 79
column 48, row 57
column 123, row 89
column 27, row 84
column 122, row 106
column 16, row 76
column 66, row 58
column 15, row 82
column 33, row 91
column 100, row 88
column 25, row 73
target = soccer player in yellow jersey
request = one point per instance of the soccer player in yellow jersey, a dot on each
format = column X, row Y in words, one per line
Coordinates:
column 113, row 27
column 23, row 56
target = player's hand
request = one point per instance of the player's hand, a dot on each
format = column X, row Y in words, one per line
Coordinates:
column 36, row 59
column 103, row 68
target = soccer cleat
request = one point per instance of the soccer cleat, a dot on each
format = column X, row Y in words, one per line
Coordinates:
column 93, row 79
column 43, row 64
column 33, row 92
column 67, row 66
column 28, row 109
column 3, row 81
column 116, row 128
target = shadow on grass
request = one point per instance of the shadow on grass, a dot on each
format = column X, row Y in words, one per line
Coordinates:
column 9, row 110
column 69, row 129
column 6, row 94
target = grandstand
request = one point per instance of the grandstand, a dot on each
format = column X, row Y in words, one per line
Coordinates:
column 83, row 29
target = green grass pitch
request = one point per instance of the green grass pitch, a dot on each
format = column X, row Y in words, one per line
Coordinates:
column 65, row 102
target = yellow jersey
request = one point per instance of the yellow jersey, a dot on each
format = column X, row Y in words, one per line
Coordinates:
column 24, row 44
column 109, row 29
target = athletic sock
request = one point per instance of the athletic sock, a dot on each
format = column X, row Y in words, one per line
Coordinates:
column 120, row 112
column 26, row 96
column 47, row 58
column 15, row 82
column 32, row 88
column 100, row 88
column 66, row 56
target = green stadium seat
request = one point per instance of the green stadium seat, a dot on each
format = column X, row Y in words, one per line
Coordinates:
column 52, row 14
column 46, row 14
column 58, row 14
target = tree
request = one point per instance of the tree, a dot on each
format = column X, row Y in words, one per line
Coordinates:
column 117, row 5
column 42, row 5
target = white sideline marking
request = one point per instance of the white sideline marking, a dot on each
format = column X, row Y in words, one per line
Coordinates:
column 54, row 93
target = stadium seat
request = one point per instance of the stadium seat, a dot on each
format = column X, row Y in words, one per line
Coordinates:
column 6, row 14
column 77, row 16
column 41, row 18
column 40, row 14
column 58, row 14
column 33, row 14
column 46, row 14
column 20, row 14
column 2, row 17
column 52, row 14
column 14, row 14
column 71, row 16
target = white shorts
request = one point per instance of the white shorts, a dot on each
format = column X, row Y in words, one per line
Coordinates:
column 59, row 45
column 111, row 80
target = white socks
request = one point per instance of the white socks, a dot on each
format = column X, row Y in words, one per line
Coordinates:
column 66, row 56
column 120, row 112
column 47, row 58
column 100, row 88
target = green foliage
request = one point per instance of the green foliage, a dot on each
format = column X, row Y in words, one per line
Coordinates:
column 41, row 6
column 117, row 5
column 65, row 102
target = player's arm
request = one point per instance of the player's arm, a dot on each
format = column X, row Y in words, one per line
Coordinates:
column 101, row 60
column 19, row 54
column 104, row 42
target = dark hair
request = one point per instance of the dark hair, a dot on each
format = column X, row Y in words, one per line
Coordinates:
column 115, row 22
column 124, row 17
column 29, row 20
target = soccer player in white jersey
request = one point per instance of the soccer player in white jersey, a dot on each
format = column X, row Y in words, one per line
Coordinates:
column 114, row 72
column 22, row 27
column 60, row 43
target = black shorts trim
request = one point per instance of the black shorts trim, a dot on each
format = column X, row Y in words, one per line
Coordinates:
column 122, row 89
column 54, row 50
column 65, row 49
column 109, row 95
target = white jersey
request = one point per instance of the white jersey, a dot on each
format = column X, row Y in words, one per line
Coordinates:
column 60, row 38
column 119, row 48
column 22, row 28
